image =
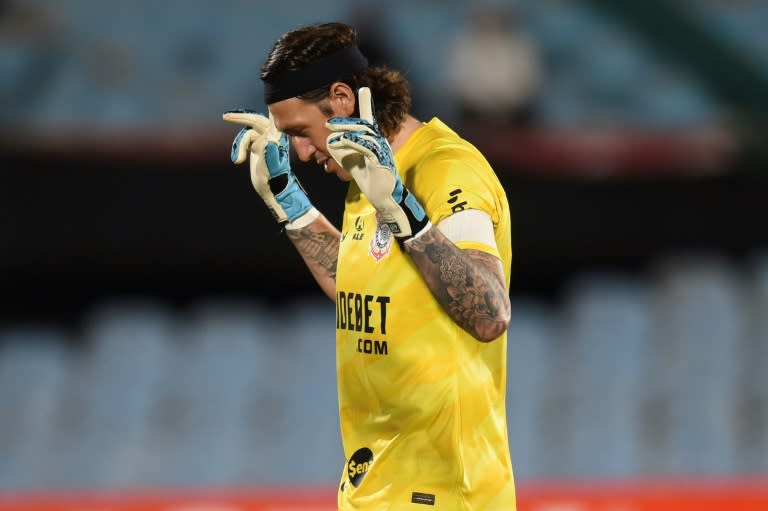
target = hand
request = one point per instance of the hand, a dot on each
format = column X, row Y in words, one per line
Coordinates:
column 357, row 145
column 271, row 173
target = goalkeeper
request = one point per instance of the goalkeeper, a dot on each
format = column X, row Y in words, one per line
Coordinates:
column 419, row 273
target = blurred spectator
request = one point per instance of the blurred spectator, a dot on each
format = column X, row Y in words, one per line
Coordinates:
column 493, row 68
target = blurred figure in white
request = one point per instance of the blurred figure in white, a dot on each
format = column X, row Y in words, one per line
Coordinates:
column 493, row 68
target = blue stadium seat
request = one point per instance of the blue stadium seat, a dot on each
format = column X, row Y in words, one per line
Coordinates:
column 310, row 422
column 606, row 361
column 671, row 100
column 113, row 397
column 754, row 454
column 740, row 25
column 34, row 366
column 532, row 385
column 214, row 391
column 560, row 27
column 704, row 328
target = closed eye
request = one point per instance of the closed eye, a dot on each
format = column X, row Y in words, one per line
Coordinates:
column 295, row 132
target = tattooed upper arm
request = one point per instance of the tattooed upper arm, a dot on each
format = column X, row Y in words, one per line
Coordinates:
column 469, row 284
column 491, row 263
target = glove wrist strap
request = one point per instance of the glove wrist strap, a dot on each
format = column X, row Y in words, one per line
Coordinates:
column 417, row 218
column 404, row 242
column 304, row 220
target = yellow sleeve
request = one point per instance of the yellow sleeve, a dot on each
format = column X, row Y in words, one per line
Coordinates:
column 455, row 180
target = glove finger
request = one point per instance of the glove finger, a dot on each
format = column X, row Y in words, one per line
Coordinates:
column 259, row 171
column 365, row 104
column 354, row 137
column 333, row 140
column 275, row 159
column 272, row 133
column 351, row 136
column 241, row 145
column 339, row 124
column 248, row 118
column 373, row 143
column 338, row 145
column 369, row 146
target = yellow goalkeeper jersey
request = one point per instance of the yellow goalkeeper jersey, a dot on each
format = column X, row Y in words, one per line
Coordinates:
column 421, row 401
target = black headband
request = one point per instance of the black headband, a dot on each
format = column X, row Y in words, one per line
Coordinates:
column 323, row 71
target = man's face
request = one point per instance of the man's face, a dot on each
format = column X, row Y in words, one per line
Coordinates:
column 304, row 123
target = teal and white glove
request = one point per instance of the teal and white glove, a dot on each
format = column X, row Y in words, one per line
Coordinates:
column 357, row 145
column 271, row 173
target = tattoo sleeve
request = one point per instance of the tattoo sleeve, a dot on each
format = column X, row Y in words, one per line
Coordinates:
column 468, row 284
column 318, row 245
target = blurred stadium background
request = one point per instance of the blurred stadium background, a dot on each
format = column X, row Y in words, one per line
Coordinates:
column 158, row 332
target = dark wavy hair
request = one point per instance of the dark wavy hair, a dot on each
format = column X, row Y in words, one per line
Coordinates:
column 390, row 90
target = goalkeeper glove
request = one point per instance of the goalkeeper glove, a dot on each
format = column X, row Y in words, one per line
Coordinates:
column 357, row 145
column 271, row 173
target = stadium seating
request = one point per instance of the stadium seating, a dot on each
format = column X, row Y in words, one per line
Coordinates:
column 624, row 377
column 740, row 24
column 533, row 382
column 132, row 70
column 35, row 363
column 606, row 355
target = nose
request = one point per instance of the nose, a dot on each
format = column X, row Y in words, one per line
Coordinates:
column 304, row 148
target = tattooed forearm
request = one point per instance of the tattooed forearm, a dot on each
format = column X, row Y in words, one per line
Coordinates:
column 318, row 245
column 320, row 250
column 468, row 284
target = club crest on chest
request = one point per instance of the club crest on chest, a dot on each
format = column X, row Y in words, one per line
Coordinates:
column 381, row 241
